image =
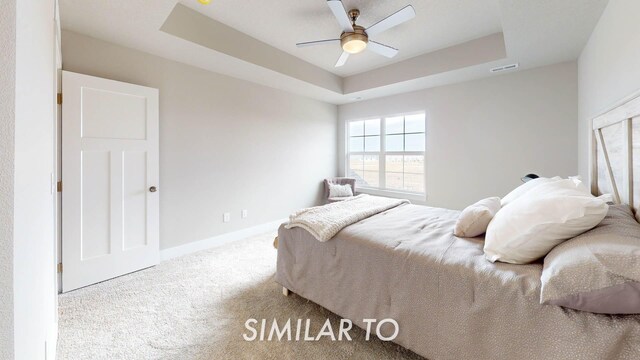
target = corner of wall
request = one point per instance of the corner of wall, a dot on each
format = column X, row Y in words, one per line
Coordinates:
column 7, row 152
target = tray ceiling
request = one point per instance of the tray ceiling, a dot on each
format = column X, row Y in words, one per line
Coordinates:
column 282, row 24
column 532, row 33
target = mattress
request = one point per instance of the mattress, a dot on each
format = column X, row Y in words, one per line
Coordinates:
column 449, row 301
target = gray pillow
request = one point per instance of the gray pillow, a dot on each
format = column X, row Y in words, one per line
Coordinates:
column 599, row 270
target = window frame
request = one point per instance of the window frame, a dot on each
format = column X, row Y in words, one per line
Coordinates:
column 381, row 190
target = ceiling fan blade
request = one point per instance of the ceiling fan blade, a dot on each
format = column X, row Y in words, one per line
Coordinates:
column 343, row 59
column 382, row 49
column 341, row 15
column 405, row 14
column 318, row 42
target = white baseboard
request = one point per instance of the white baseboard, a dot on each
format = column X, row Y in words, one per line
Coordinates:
column 51, row 344
column 215, row 241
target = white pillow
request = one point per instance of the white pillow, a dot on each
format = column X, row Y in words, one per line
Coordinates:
column 525, row 188
column 474, row 218
column 545, row 216
column 337, row 190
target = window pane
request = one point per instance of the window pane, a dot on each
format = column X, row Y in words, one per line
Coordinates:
column 394, row 125
column 414, row 182
column 414, row 123
column 393, row 163
column 372, row 178
column 394, row 143
column 356, row 174
column 359, row 179
column 356, row 128
column 371, row 163
column 355, row 166
column 372, row 127
column 393, row 180
column 356, row 162
column 414, row 164
column 372, row 143
column 356, row 144
column 414, row 142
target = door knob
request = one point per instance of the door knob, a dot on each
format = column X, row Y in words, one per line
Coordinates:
column 153, row 189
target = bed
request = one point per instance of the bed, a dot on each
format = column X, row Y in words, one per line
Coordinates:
column 449, row 301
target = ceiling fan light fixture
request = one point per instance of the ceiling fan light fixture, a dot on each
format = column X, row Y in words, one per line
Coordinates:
column 354, row 46
column 354, row 42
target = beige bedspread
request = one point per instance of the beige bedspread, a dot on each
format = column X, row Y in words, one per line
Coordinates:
column 449, row 301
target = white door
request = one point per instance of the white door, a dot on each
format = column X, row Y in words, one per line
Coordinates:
column 110, row 171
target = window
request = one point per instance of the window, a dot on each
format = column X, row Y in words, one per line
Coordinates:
column 388, row 153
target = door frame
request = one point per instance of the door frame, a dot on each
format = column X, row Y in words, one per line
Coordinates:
column 52, row 333
column 57, row 154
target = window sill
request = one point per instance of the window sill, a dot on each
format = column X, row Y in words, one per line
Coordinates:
column 413, row 197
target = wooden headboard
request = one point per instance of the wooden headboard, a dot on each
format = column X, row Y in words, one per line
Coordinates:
column 615, row 164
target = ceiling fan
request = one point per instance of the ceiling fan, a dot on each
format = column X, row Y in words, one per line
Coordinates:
column 355, row 38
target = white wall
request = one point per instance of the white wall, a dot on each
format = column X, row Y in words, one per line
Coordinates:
column 225, row 144
column 608, row 68
column 34, row 133
column 484, row 135
column 7, row 151
column 25, row 179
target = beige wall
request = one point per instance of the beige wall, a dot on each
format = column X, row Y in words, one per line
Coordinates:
column 225, row 144
column 608, row 68
column 484, row 135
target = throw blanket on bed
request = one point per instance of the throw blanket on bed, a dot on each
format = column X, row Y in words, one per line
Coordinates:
column 323, row 222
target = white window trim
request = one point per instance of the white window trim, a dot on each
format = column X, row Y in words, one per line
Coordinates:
column 417, row 198
column 381, row 191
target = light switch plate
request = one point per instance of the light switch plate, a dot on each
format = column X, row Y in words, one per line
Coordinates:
column 226, row 217
column 245, row 213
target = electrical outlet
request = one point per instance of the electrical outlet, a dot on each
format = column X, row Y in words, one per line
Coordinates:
column 226, row 217
column 245, row 213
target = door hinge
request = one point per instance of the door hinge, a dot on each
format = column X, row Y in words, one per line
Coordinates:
column 59, row 186
column 59, row 267
column 59, row 98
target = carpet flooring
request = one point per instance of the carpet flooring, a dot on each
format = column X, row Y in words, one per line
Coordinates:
column 195, row 307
